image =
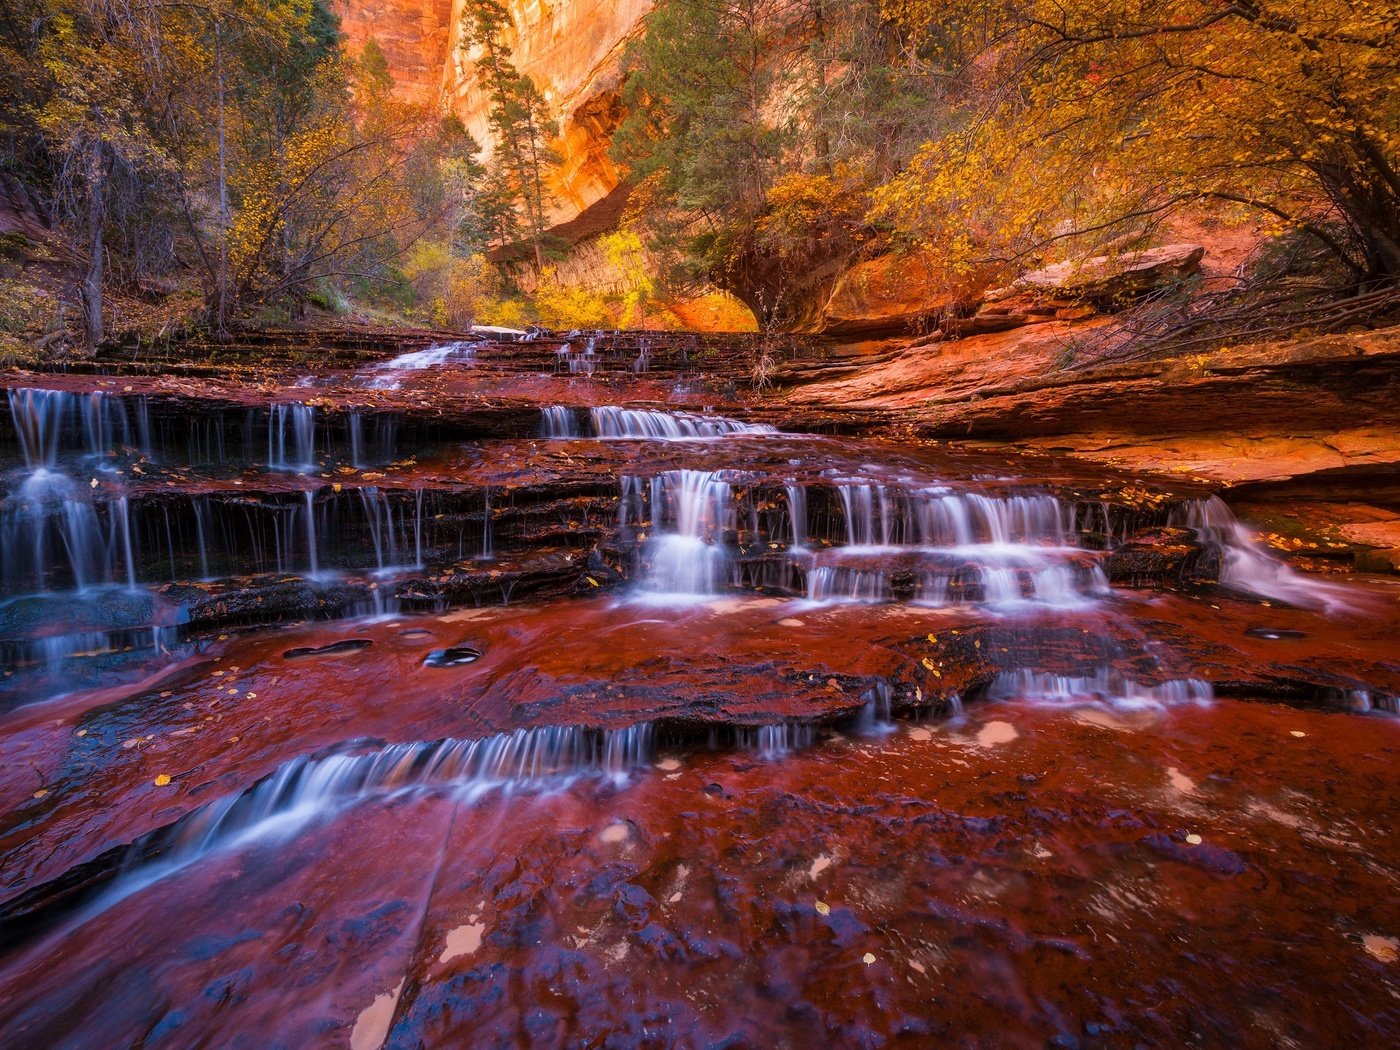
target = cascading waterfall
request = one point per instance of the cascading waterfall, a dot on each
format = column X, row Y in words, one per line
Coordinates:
column 49, row 516
column 777, row 740
column 954, row 546
column 689, row 558
column 355, row 427
column 558, row 421
column 881, row 515
column 91, row 424
column 291, row 437
column 1245, row 564
column 540, row 759
column 1105, row 686
column 797, row 517
column 389, row 373
column 612, row 422
column 923, row 544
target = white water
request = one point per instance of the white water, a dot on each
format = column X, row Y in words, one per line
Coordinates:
column 558, row 421
column 91, row 424
column 1246, row 565
column 542, row 759
column 291, row 437
column 51, row 531
column 686, row 557
column 418, row 360
column 1105, row 686
column 611, row 423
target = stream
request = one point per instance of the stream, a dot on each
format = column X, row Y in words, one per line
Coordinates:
column 553, row 692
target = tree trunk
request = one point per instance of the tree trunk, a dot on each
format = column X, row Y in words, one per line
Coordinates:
column 91, row 287
column 221, row 292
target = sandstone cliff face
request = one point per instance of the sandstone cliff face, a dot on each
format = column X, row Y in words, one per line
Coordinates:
column 412, row 33
column 571, row 48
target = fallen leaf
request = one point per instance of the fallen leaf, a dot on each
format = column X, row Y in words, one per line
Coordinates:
column 162, row 780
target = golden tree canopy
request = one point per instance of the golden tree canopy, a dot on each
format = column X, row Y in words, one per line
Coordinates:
column 1090, row 115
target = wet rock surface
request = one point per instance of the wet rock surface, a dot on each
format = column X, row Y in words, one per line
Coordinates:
column 524, row 693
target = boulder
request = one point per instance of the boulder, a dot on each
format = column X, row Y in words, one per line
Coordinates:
column 1107, row 280
column 890, row 295
column 1163, row 556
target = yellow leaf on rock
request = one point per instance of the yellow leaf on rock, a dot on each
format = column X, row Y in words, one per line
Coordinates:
column 162, row 780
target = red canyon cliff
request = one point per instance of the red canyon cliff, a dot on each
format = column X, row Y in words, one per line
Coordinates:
column 571, row 49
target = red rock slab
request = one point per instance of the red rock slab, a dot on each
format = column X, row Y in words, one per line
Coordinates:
column 1023, row 876
column 265, row 945
column 85, row 780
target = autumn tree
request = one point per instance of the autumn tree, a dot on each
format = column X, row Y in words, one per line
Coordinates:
column 519, row 119
column 1086, row 119
column 83, row 82
column 757, row 129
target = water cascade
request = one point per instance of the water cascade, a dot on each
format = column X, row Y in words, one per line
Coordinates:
column 558, row 421
column 692, row 510
column 291, row 438
column 1246, row 565
column 1106, row 686
column 307, row 789
column 49, row 423
column 390, row 373
column 611, row 422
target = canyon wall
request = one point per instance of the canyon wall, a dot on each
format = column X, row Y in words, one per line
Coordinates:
column 571, row 48
column 413, row 35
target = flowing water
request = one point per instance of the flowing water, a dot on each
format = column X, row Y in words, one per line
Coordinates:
column 544, row 693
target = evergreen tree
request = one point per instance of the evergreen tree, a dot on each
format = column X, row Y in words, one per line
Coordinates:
column 519, row 121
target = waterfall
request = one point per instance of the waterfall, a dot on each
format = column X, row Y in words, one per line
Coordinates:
column 611, row 422
column 558, row 421
column 355, row 427
column 777, row 740
column 487, row 546
column 880, row 515
column 379, row 517
column 797, row 517
column 200, row 506
column 305, row 789
column 38, row 419
column 121, row 537
column 936, row 547
column 429, row 357
column 875, row 717
column 50, row 529
column 1246, row 565
column 291, row 437
column 92, row 424
column 688, row 559
column 1106, row 685
column 309, row 517
column 835, row 583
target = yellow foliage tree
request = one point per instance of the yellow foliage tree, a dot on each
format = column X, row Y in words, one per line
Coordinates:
column 1090, row 117
column 568, row 306
column 627, row 257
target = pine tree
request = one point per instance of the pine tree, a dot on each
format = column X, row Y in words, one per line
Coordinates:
column 519, row 120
